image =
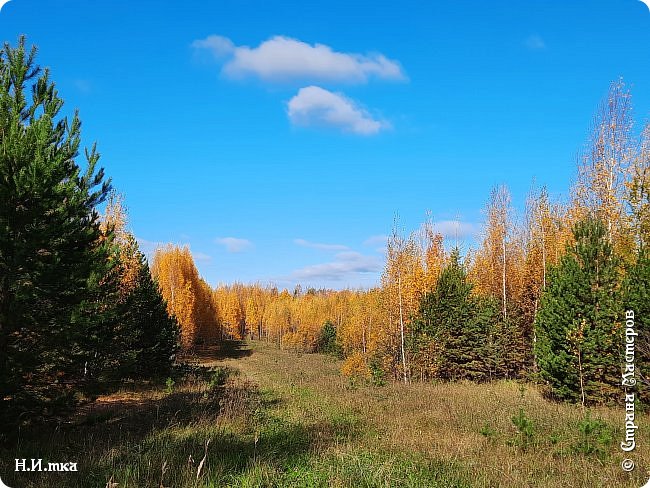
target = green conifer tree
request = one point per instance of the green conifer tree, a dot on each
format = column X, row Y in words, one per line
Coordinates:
column 148, row 335
column 578, row 325
column 51, row 250
column 450, row 317
column 637, row 299
column 513, row 355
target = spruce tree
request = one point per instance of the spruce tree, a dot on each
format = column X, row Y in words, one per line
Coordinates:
column 578, row 324
column 51, row 249
column 513, row 356
column 327, row 342
column 449, row 317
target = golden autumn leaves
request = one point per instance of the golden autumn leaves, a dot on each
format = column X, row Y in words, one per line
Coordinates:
column 509, row 265
column 188, row 297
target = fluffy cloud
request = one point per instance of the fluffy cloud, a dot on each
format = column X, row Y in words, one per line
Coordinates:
column 234, row 244
column 283, row 59
column 345, row 266
column 316, row 107
column 456, row 228
column 318, row 245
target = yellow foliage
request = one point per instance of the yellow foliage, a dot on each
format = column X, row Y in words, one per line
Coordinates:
column 188, row 297
column 355, row 366
column 115, row 220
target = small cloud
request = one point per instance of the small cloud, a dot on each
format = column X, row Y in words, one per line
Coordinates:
column 345, row 265
column 148, row 248
column 219, row 46
column 535, row 43
column 234, row 244
column 374, row 240
column 200, row 257
column 456, row 228
column 282, row 58
column 318, row 245
column 316, row 107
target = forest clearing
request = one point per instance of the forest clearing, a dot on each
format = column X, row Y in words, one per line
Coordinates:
column 265, row 417
column 347, row 252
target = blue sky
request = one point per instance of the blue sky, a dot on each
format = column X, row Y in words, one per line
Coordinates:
column 279, row 139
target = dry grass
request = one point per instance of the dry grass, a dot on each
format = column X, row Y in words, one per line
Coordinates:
column 270, row 418
column 463, row 423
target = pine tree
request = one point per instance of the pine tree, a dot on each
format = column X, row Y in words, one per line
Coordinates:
column 578, row 324
column 637, row 299
column 97, row 321
column 150, row 335
column 52, row 254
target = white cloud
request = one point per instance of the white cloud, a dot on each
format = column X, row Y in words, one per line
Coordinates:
column 219, row 46
column 282, row 58
column 148, row 248
column 200, row 257
column 345, row 266
column 319, row 245
column 234, row 244
column 535, row 43
column 374, row 240
column 456, row 228
column 316, row 107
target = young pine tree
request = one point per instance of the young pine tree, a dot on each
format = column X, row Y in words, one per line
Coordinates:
column 637, row 298
column 51, row 252
column 578, row 324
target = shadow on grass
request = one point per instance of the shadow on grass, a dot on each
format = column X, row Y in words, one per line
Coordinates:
column 218, row 352
column 160, row 440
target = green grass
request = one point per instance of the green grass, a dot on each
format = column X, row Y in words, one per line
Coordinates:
column 276, row 419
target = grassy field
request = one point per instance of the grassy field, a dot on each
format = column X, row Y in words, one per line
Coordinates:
column 258, row 416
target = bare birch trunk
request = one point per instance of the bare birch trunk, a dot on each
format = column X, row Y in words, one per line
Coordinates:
column 401, row 324
column 503, row 276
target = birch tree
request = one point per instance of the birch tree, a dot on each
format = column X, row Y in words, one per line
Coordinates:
column 603, row 168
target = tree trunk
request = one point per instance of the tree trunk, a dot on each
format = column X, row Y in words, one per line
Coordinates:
column 503, row 277
column 582, row 386
column 401, row 325
column 543, row 259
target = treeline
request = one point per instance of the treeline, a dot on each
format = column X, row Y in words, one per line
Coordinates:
column 188, row 297
column 79, row 309
column 542, row 297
